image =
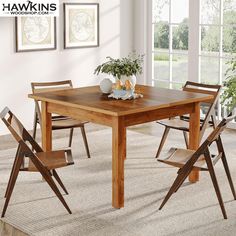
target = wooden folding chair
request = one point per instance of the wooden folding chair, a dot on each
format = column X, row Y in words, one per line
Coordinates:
column 58, row 122
column 182, row 123
column 203, row 160
column 44, row 162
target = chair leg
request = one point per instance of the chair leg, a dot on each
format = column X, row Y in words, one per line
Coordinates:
column 169, row 194
column 8, row 185
column 186, row 138
column 225, row 164
column 180, row 184
column 215, row 184
column 34, row 128
column 183, row 173
column 12, row 182
column 46, row 175
column 85, row 140
column 71, row 136
column 56, row 176
column 223, row 158
column 35, row 125
column 177, row 183
column 214, row 122
column 163, row 139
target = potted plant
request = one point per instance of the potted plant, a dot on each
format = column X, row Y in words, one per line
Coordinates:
column 229, row 94
column 122, row 69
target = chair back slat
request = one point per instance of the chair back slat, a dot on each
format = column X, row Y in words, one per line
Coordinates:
column 202, row 91
column 45, row 90
column 50, row 86
column 208, row 86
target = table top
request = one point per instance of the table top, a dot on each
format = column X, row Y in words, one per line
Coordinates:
column 92, row 99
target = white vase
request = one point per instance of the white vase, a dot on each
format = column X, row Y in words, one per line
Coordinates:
column 131, row 78
column 106, row 86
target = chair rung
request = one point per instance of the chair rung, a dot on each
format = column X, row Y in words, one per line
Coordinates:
column 215, row 159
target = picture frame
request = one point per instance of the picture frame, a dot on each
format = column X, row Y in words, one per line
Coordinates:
column 35, row 33
column 81, row 25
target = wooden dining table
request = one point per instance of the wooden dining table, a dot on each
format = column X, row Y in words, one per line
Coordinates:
column 88, row 103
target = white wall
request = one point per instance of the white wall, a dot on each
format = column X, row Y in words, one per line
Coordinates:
column 142, row 39
column 18, row 70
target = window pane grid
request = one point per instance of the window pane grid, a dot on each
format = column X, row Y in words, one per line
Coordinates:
column 217, row 22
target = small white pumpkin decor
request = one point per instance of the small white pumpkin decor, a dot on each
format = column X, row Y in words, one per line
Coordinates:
column 106, row 86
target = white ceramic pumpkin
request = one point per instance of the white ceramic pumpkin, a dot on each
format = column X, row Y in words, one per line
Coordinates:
column 106, row 86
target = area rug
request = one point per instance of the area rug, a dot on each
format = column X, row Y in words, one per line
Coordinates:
column 193, row 210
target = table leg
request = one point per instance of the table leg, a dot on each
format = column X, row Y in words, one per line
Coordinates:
column 194, row 137
column 118, row 156
column 46, row 128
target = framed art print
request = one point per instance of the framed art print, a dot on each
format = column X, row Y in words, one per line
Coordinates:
column 81, row 25
column 35, row 33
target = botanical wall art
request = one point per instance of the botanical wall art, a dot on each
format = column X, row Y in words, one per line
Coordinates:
column 35, row 33
column 81, row 25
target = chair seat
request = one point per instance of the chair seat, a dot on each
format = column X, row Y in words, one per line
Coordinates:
column 65, row 123
column 175, row 123
column 52, row 159
column 178, row 157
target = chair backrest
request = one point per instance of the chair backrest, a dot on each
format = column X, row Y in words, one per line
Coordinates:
column 18, row 131
column 210, row 104
column 38, row 87
column 215, row 134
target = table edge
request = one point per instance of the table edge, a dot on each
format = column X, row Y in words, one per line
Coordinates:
column 123, row 113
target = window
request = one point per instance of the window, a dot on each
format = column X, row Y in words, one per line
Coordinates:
column 210, row 29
